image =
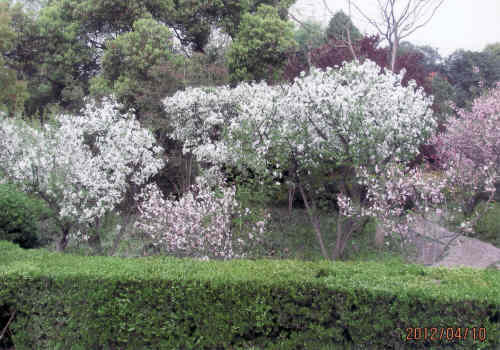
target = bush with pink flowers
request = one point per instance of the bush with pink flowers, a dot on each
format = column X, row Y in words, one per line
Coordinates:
column 199, row 224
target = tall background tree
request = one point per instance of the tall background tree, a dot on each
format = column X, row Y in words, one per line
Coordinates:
column 140, row 68
column 260, row 49
column 431, row 59
column 61, row 48
column 399, row 19
column 13, row 91
column 470, row 73
column 493, row 49
column 310, row 35
column 338, row 26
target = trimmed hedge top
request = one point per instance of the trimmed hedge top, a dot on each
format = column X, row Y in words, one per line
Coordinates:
column 389, row 278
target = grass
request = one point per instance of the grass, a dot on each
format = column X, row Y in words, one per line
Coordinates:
column 287, row 237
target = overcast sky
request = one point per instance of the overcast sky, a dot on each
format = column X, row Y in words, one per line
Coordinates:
column 457, row 24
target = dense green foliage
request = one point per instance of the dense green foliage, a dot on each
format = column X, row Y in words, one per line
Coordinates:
column 466, row 69
column 139, row 67
column 259, row 50
column 19, row 215
column 487, row 228
column 59, row 49
column 493, row 49
column 13, row 92
column 443, row 93
column 70, row 301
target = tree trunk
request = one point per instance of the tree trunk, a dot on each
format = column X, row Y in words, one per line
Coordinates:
column 63, row 242
column 349, row 42
column 308, row 57
column 315, row 223
column 394, row 49
column 120, row 234
column 379, row 236
column 95, row 238
column 338, row 245
column 291, row 194
column 95, row 243
column 343, row 236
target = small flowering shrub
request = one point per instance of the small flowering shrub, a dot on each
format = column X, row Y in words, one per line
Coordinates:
column 199, row 224
column 249, row 224
column 389, row 193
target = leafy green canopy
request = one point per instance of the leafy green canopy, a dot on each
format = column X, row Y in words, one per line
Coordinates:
column 139, row 66
column 466, row 69
column 259, row 50
column 61, row 48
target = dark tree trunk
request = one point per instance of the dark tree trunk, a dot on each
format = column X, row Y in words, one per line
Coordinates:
column 314, row 221
column 63, row 242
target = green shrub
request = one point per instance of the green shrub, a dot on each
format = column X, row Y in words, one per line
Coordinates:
column 19, row 215
column 64, row 301
column 487, row 228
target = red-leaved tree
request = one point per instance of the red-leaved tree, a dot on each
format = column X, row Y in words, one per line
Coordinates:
column 334, row 53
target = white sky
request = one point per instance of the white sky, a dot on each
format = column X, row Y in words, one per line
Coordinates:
column 457, row 24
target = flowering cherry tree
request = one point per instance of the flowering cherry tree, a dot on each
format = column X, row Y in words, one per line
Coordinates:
column 83, row 166
column 388, row 193
column 468, row 152
column 470, row 149
column 473, row 137
column 352, row 116
column 201, row 116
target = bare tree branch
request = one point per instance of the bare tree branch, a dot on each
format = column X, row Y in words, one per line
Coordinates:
column 370, row 20
column 347, row 29
column 7, row 325
column 304, row 24
column 411, row 31
column 342, row 43
column 395, row 27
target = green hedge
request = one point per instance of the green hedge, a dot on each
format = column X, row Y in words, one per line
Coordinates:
column 73, row 302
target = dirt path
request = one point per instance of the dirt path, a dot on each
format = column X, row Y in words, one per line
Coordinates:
column 471, row 252
column 436, row 246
